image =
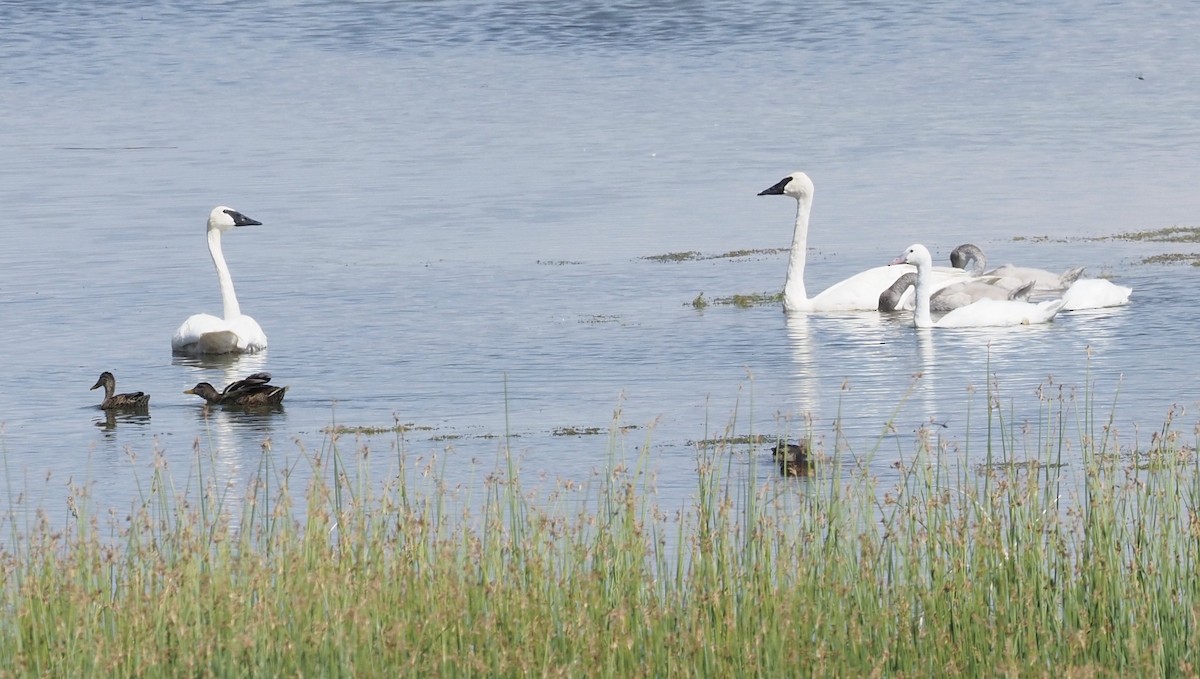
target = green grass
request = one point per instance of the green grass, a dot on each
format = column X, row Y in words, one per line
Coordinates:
column 1055, row 548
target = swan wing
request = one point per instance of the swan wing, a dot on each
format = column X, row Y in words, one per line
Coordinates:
column 207, row 334
column 860, row 292
column 251, row 337
column 989, row 313
column 1043, row 281
column 962, row 293
column 943, row 277
column 201, row 334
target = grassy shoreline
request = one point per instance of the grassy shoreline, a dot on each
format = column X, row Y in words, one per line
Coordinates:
column 975, row 562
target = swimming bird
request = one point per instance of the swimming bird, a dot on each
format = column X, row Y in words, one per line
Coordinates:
column 236, row 332
column 792, row 458
column 1095, row 293
column 861, row 291
column 984, row 313
column 254, row 390
column 113, row 401
column 950, row 297
column 1016, row 276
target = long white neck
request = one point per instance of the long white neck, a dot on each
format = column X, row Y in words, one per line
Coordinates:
column 795, row 297
column 228, row 297
column 921, row 317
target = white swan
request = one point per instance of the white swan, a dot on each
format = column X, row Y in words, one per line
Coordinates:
column 235, row 333
column 1081, row 293
column 1017, row 276
column 861, row 291
column 984, row 313
column 1095, row 293
column 950, row 297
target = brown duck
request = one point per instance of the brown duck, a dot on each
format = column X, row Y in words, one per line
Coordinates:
column 792, row 458
column 113, row 401
column 254, row 390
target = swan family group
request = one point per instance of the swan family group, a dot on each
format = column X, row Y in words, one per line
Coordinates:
column 966, row 293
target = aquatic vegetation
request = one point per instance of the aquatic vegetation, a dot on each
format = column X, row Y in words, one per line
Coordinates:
column 694, row 256
column 689, row 256
column 744, row 301
column 1170, row 234
column 577, row 431
column 751, row 299
column 1054, row 544
column 369, row 430
column 600, row 318
column 1192, row 258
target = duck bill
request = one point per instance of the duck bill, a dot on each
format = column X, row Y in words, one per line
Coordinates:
column 186, row 391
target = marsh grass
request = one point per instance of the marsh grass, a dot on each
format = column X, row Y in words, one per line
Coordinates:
column 983, row 558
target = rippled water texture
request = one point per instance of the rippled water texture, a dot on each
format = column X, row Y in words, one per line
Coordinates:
column 460, row 202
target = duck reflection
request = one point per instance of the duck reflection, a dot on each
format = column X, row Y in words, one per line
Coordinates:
column 232, row 436
column 109, row 419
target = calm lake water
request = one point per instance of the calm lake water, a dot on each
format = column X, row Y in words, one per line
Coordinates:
column 460, row 201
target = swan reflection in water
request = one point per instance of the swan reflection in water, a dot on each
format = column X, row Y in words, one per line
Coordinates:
column 231, row 438
column 874, row 372
column 831, row 352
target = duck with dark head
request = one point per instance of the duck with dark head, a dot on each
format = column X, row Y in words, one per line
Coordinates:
column 254, row 390
column 792, row 458
column 132, row 400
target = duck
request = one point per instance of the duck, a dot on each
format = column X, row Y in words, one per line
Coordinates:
column 950, row 297
column 1013, row 276
column 981, row 314
column 254, row 390
column 792, row 458
column 235, row 332
column 859, row 292
column 113, row 401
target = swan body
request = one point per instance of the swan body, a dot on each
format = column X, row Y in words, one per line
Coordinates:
column 950, row 297
column 113, row 401
column 979, row 314
column 235, row 332
column 1013, row 277
column 1095, row 293
column 860, row 292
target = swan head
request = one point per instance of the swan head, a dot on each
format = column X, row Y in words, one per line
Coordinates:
column 966, row 253
column 917, row 255
column 225, row 218
column 797, row 185
column 106, row 378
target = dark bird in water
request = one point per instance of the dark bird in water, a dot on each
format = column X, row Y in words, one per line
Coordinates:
column 255, row 390
column 118, row 401
column 792, row 458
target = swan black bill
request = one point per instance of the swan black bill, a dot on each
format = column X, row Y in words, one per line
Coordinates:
column 776, row 190
column 240, row 219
